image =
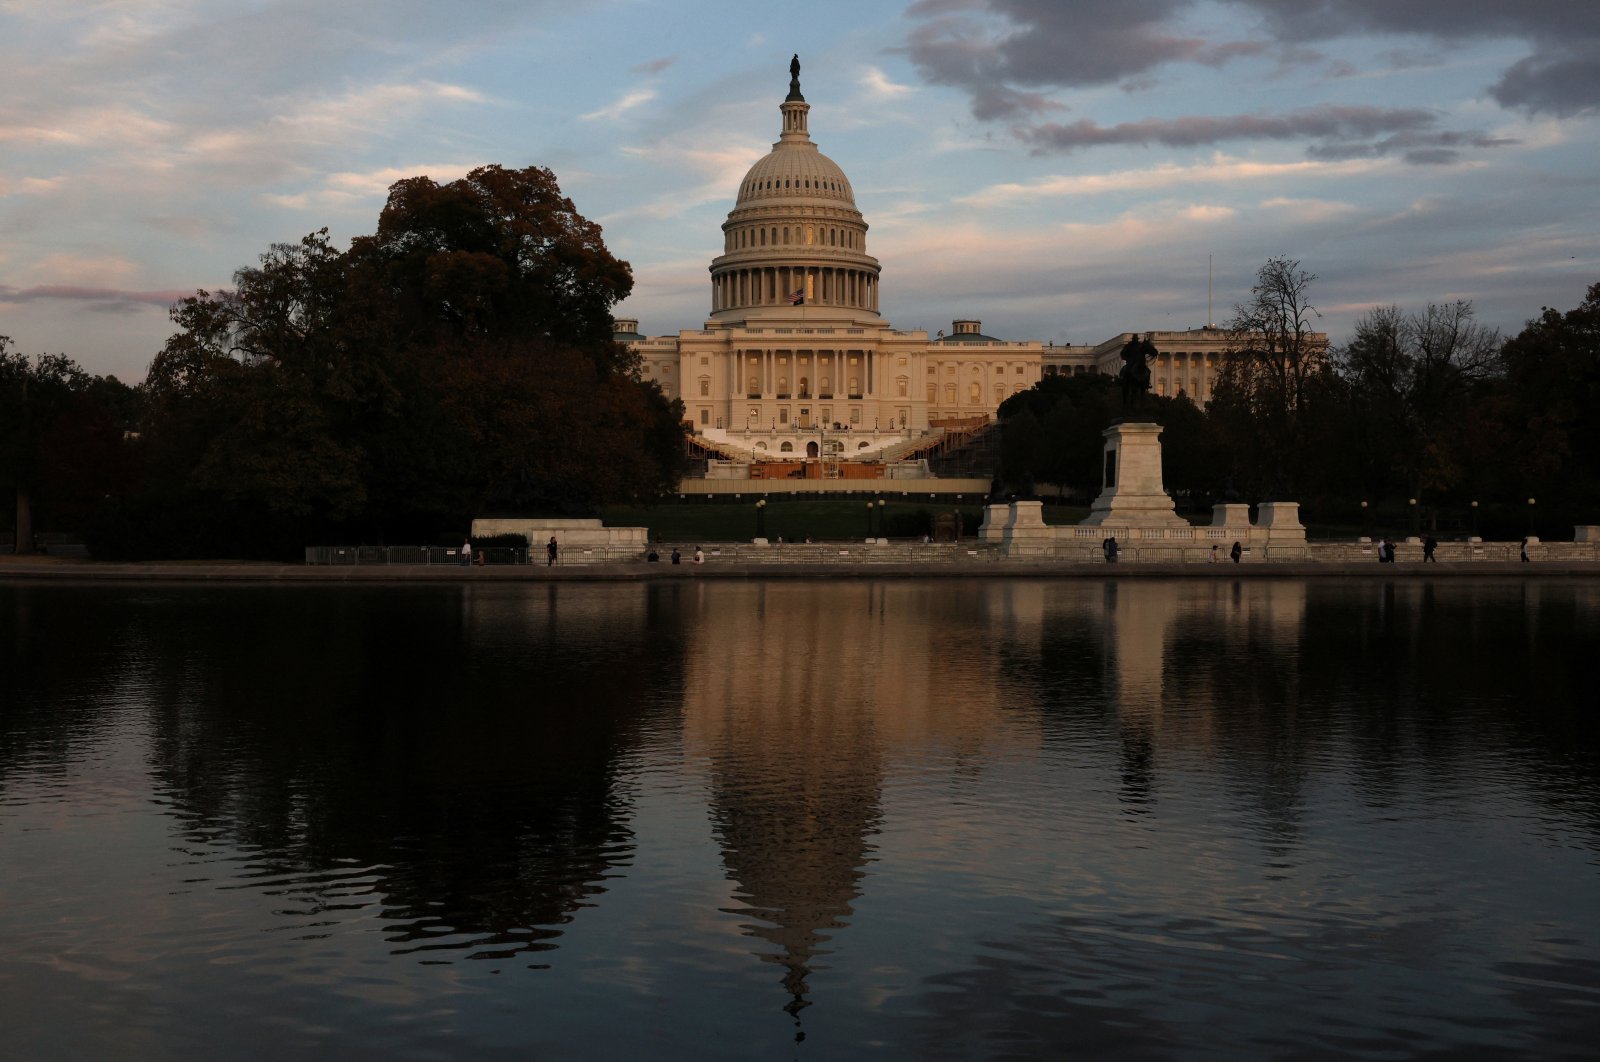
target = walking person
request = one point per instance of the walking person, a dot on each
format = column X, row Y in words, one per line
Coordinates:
column 1237, row 552
column 1429, row 544
column 550, row 551
column 1214, row 548
column 466, row 553
column 1525, row 551
column 1111, row 550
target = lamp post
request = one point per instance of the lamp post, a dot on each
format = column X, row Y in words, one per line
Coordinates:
column 870, row 507
column 1530, row 519
column 1366, row 520
column 761, row 518
column 1473, row 506
column 881, row 525
column 1413, row 503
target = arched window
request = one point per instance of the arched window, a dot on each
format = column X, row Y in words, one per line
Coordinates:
column 755, row 385
column 950, row 394
column 761, row 446
column 805, row 387
column 763, row 237
column 855, row 387
column 783, row 387
column 786, row 234
column 999, row 393
column 825, row 388
column 975, row 393
column 786, row 448
column 863, row 446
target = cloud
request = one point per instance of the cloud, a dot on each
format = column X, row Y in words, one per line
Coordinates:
column 104, row 300
column 1009, row 53
column 622, row 106
column 1221, row 169
column 1561, row 76
column 719, row 171
column 653, row 66
column 877, row 83
column 1339, row 124
column 342, row 188
column 1004, row 51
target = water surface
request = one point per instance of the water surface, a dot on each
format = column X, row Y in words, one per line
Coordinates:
column 853, row 820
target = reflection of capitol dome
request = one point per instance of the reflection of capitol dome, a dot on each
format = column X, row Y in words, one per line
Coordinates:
column 794, row 237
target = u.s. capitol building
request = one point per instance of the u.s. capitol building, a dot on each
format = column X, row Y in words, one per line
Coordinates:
column 796, row 361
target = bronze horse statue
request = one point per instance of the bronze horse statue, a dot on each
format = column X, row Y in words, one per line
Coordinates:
column 1134, row 379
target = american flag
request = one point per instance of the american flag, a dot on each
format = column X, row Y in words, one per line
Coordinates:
column 797, row 296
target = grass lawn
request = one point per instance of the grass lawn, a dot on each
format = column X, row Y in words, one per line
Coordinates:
column 796, row 518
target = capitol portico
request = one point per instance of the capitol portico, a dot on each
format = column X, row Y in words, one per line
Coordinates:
column 795, row 363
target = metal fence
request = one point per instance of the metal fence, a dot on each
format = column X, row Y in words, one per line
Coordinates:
column 357, row 555
column 448, row 555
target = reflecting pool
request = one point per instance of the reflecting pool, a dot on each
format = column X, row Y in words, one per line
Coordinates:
column 826, row 820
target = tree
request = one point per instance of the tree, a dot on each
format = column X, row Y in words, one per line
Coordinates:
column 32, row 394
column 61, row 439
column 457, row 361
column 1275, row 359
column 1552, row 388
column 1411, row 378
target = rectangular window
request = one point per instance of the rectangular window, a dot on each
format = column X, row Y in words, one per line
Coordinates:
column 855, row 414
column 705, row 416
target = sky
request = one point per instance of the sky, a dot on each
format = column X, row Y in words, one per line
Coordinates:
column 1062, row 170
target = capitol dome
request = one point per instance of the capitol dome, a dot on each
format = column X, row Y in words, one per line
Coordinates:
column 794, row 237
column 790, row 175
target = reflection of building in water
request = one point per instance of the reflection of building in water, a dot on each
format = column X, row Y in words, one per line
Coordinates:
column 1177, row 661
column 793, row 700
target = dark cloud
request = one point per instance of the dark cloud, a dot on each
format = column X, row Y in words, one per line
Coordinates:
column 654, row 66
column 1561, row 76
column 1562, row 82
column 995, row 49
column 1420, row 148
column 1335, row 132
column 104, row 300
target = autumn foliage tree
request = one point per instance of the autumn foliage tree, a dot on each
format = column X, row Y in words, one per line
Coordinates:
column 455, row 362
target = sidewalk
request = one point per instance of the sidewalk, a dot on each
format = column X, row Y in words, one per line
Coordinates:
column 48, row 569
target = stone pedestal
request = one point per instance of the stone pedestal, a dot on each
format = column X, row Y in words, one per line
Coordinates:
column 1281, row 521
column 1234, row 516
column 994, row 522
column 1131, row 492
column 1026, row 531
